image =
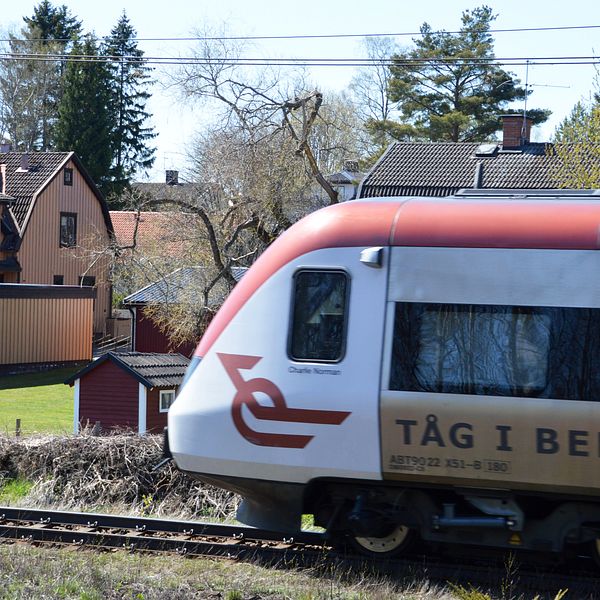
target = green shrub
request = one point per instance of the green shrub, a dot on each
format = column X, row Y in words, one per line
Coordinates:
column 12, row 490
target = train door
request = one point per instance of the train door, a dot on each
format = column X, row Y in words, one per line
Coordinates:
column 289, row 391
column 333, row 358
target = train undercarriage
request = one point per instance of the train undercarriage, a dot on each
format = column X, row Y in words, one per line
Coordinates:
column 384, row 520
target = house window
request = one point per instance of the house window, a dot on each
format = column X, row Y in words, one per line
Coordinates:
column 58, row 280
column 68, row 229
column 87, row 281
column 318, row 329
column 167, row 397
column 68, row 176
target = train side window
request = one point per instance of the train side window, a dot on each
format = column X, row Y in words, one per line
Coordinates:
column 319, row 315
column 543, row 352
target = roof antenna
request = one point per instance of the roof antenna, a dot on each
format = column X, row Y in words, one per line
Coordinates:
column 524, row 126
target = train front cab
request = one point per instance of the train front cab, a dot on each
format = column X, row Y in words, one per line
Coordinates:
column 289, row 391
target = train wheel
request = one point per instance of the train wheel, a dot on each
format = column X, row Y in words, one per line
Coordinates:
column 390, row 545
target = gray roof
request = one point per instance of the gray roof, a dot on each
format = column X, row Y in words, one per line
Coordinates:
column 442, row 168
column 174, row 287
column 9, row 265
column 8, row 229
column 345, row 177
column 159, row 370
column 22, row 185
column 167, row 289
column 165, row 191
column 149, row 368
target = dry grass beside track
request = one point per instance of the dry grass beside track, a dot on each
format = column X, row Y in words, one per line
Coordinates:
column 97, row 473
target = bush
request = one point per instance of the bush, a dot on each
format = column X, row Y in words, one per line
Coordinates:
column 88, row 472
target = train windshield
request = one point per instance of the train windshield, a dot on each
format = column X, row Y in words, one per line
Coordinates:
column 318, row 327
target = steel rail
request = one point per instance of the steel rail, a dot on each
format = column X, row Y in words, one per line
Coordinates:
column 139, row 524
column 231, row 548
column 187, row 538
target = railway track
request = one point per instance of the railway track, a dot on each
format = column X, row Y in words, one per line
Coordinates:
column 308, row 549
column 156, row 535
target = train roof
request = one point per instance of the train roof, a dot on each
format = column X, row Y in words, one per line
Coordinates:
column 548, row 219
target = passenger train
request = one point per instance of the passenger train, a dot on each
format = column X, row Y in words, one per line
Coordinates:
column 405, row 367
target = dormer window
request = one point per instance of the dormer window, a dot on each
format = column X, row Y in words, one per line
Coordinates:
column 68, row 176
column 68, row 229
column 87, row 281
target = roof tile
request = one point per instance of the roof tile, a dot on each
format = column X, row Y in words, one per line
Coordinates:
column 176, row 286
column 160, row 370
column 441, row 169
column 166, row 232
column 151, row 369
column 22, row 185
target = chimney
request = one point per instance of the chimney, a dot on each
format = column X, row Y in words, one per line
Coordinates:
column 351, row 166
column 24, row 162
column 3, row 180
column 172, row 178
column 516, row 131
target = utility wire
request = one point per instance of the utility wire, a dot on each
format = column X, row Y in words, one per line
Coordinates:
column 307, row 62
column 322, row 36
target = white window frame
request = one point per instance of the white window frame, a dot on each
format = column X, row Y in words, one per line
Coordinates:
column 160, row 400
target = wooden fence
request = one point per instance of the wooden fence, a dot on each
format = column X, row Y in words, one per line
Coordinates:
column 45, row 323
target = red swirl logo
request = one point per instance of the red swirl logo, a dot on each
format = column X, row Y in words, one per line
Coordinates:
column 234, row 363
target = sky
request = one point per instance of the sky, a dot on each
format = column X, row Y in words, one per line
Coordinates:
column 556, row 87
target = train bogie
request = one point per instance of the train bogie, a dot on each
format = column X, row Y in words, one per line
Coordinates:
column 411, row 366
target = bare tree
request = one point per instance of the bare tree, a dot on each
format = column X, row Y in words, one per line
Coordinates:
column 370, row 90
column 259, row 165
column 197, row 231
column 258, row 106
column 338, row 134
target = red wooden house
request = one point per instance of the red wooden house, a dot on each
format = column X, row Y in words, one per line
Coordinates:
column 182, row 285
column 127, row 390
column 146, row 335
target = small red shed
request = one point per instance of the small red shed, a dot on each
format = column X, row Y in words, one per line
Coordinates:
column 128, row 389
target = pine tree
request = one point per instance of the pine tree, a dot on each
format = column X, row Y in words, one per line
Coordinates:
column 54, row 23
column 84, row 124
column 31, row 88
column 130, row 80
column 448, row 87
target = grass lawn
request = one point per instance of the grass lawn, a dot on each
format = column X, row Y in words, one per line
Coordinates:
column 41, row 400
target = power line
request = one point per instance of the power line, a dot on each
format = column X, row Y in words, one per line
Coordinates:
column 320, row 36
column 365, row 35
column 308, row 62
